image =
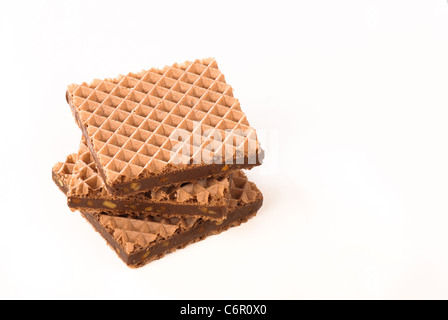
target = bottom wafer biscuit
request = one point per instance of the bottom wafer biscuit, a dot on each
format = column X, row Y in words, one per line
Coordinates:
column 139, row 238
column 158, row 248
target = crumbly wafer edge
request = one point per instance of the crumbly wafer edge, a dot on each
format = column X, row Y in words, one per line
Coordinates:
column 196, row 233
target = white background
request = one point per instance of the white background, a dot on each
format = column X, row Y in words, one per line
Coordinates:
column 349, row 97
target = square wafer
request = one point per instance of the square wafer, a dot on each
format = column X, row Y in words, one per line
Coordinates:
column 164, row 126
column 138, row 241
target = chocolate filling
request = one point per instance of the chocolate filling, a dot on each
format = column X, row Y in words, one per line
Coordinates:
column 123, row 206
column 160, row 209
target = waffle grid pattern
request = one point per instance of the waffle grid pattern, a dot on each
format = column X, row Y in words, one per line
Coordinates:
column 64, row 170
column 133, row 233
column 83, row 180
column 135, row 122
column 241, row 190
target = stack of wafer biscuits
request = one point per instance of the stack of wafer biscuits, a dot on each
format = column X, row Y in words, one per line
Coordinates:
column 161, row 158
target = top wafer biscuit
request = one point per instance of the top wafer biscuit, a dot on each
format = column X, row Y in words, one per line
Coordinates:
column 164, row 126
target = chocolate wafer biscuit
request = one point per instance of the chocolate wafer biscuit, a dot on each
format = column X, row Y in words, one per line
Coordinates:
column 148, row 238
column 78, row 177
column 164, row 126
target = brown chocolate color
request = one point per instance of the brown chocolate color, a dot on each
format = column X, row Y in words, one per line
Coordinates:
column 158, row 249
column 141, row 238
column 135, row 205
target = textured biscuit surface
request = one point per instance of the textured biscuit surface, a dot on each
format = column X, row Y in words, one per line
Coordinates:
column 137, row 233
column 83, row 180
column 162, row 120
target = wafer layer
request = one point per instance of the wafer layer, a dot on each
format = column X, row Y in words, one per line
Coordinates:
column 139, row 241
column 162, row 126
column 206, row 198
